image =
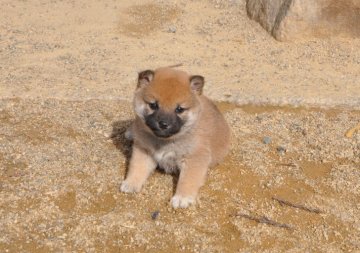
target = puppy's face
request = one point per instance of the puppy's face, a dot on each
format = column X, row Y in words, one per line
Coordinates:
column 166, row 100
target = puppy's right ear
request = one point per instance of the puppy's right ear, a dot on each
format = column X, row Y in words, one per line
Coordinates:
column 144, row 78
column 197, row 84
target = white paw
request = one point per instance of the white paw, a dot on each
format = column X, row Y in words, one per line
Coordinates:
column 129, row 188
column 182, row 202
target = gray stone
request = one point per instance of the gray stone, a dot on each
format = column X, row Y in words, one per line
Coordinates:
column 155, row 215
column 267, row 140
column 288, row 20
column 172, row 29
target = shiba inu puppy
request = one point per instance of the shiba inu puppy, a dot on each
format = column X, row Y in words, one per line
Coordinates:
column 176, row 128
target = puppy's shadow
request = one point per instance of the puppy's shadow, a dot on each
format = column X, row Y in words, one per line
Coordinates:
column 120, row 142
column 125, row 146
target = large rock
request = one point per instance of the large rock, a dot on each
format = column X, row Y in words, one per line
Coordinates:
column 296, row 19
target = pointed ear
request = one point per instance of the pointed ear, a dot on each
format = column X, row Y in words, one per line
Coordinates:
column 145, row 77
column 197, row 84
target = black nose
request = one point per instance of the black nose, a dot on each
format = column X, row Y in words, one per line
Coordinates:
column 163, row 125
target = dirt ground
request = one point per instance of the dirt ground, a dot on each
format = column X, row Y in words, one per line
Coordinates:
column 67, row 73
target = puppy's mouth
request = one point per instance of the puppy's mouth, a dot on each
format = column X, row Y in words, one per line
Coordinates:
column 163, row 134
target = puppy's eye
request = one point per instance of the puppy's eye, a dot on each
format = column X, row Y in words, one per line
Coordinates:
column 179, row 110
column 154, row 106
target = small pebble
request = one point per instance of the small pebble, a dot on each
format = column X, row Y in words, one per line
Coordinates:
column 155, row 215
column 172, row 29
column 281, row 149
column 266, row 140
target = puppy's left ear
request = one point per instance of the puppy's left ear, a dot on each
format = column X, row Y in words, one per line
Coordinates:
column 144, row 78
column 197, row 84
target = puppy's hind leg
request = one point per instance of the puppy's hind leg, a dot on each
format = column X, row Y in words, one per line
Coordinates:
column 141, row 166
column 192, row 177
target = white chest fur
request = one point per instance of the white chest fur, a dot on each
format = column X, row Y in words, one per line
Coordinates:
column 168, row 158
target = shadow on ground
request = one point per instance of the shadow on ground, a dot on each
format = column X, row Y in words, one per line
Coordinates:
column 118, row 138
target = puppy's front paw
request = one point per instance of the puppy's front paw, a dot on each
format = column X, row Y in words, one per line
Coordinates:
column 182, row 202
column 129, row 187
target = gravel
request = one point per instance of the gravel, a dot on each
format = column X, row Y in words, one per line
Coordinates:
column 67, row 75
column 62, row 163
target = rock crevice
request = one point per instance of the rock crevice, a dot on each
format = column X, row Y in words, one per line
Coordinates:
column 288, row 20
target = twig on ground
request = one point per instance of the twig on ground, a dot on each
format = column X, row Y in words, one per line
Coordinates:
column 287, row 164
column 176, row 65
column 127, row 226
column 264, row 220
column 287, row 203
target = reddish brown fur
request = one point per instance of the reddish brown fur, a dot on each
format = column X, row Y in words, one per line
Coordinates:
column 202, row 142
column 169, row 88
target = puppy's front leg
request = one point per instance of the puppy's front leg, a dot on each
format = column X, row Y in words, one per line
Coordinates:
column 192, row 177
column 141, row 166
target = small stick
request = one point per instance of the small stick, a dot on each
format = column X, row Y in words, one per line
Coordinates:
column 287, row 203
column 287, row 164
column 175, row 66
column 127, row 226
column 264, row 220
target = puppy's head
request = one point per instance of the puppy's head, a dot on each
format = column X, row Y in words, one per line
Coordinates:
column 167, row 101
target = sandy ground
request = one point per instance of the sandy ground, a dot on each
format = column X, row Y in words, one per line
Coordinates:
column 67, row 73
column 93, row 49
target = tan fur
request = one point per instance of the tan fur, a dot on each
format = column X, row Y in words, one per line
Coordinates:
column 202, row 142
